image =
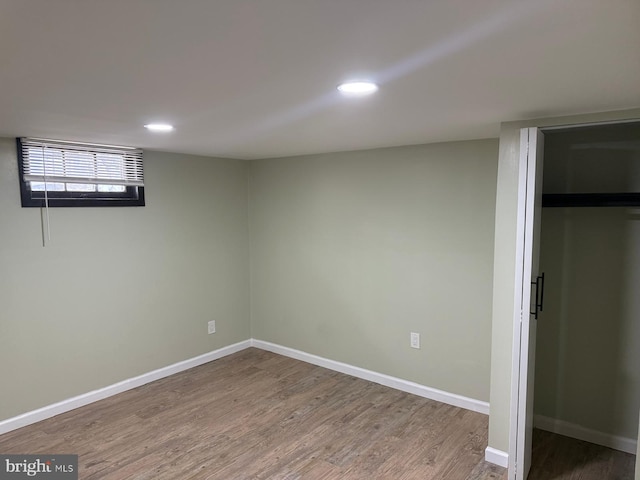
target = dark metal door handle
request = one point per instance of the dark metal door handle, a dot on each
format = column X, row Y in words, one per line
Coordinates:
column 539, row 295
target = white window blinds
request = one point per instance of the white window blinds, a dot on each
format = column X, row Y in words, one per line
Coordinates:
column 56, row 161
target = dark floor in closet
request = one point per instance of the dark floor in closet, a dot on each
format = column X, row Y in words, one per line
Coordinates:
column 557, row 457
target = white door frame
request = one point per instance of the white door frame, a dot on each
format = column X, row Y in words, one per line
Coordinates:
column 519, row 271
column 515, row 355
column 518, row 377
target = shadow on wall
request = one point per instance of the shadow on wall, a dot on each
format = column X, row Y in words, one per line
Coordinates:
column 588, row 351
column 587, row 370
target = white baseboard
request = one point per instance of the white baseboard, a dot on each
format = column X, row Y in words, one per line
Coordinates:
column 382, row 379
column 628, row 445
column 81, row 400
column 497, row 457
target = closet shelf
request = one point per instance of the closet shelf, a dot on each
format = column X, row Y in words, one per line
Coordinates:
column 628, row 199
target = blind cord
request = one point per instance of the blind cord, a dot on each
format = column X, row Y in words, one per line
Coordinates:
column 46, row 204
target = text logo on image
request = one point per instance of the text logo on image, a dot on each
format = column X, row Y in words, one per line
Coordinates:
column 50, row 467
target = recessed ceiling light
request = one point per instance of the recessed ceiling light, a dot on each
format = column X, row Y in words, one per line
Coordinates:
column 358, row 88
column 158, row 127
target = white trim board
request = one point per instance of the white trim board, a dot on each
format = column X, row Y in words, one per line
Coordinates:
column 516, row 349
column 52, row 410
column 86, row 398
column 628, row 445
column 380, row 378
column 497, row 457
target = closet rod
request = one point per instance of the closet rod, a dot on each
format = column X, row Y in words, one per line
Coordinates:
column 630, row 199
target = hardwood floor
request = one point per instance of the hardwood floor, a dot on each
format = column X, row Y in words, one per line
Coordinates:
column 258, row 415
column 555, row 457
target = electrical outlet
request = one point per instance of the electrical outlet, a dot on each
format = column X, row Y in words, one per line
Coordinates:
column 415, row 340
column 211, row 326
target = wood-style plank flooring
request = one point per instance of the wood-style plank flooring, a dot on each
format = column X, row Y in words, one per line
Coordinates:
column 257, row 415
column 555, row 457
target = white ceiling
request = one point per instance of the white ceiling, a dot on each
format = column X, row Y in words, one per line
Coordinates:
column 257, row 78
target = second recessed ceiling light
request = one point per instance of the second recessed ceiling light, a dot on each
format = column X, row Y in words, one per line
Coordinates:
column 357, row 88
column 158, row 127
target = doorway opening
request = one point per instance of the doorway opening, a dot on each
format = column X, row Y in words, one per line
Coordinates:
column 587, row 362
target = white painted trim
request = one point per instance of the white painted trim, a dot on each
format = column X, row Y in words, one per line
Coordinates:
column 516, row 351
column 382, row 379
column 86, row 398
column 497, row 457
column 628, row 445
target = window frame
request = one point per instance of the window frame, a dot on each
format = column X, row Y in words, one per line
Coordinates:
column 131, row 197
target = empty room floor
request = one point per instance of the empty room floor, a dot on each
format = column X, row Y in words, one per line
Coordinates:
column 258, row 415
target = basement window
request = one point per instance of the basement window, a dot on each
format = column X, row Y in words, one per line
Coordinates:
column 65, row 174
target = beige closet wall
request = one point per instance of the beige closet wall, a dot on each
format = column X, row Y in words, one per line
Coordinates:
column 588, row 349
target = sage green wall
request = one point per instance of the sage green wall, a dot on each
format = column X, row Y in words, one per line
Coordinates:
column 502, row 338
column 120, row 291
column 350, row 252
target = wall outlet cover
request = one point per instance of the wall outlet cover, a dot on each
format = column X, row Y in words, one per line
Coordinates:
column 211, row 327
column 415, row 340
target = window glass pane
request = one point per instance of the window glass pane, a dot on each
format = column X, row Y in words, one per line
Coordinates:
column 111, row 188
column 51, row 187
column 80, row 187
